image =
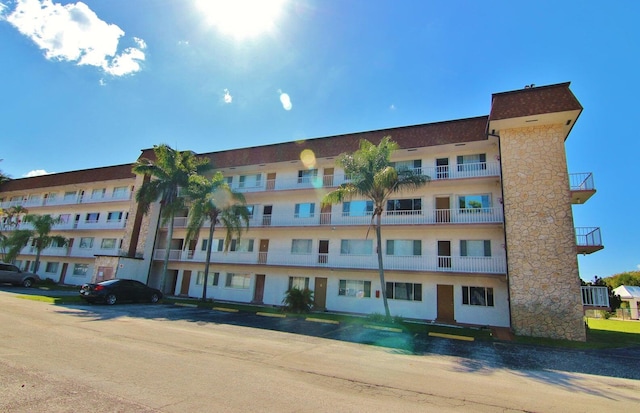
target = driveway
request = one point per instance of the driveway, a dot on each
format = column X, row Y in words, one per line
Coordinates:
column 474, row 356
column 167, row 358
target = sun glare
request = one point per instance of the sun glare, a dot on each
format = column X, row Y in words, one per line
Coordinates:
column 241, row 18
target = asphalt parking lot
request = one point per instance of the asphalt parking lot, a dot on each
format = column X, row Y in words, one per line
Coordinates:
column 474, row 356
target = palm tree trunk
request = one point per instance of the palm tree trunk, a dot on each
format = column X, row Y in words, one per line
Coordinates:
column 383, row 285
column 208, row 259
column 165, row 264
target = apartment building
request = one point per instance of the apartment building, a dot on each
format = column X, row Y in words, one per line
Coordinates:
column 490, row 240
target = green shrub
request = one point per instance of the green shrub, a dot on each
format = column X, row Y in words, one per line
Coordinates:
column 297, row 300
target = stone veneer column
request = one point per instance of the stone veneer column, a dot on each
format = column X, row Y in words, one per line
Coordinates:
column 544, row 284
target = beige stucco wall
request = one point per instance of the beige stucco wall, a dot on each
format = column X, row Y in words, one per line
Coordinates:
column 541, row 248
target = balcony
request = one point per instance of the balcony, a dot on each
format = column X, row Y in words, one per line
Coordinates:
column 588, row 240
column 462, row 171
column 337, row 218
column 448, row 264
column 595, row 297
column 582, row 187
column 55, row 201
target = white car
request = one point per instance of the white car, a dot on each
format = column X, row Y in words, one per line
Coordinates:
column 9, row 273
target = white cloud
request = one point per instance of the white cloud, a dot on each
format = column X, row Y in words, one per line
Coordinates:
column 74, row 33
column 285, row 100
column 35, row 172
column 392, row 107
column 227, row 96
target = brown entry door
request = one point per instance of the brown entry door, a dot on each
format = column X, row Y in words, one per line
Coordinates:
column 323, row 251
column 320, row 294
column 445, row 303
column 264, row 249
column 186, row 281
column 443, row 213
column 444, row 254
column 258, row 293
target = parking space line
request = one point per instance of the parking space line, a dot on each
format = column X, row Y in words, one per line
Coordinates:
column 271, row 315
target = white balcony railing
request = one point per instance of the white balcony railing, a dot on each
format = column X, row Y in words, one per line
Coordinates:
column 484, row 265
column 337, row 218
column 56, row 201
column 471, row 170
column 594, row 296
column 581, row 181
column 588, row 237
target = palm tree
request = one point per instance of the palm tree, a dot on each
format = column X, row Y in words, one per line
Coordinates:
column 214, row 201
column 372, row 176
column 42, row 226
column 169, row 172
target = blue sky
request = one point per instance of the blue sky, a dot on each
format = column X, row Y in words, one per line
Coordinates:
column 89, row 84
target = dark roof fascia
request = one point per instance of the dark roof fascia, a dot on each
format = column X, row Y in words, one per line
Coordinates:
column 107, row 173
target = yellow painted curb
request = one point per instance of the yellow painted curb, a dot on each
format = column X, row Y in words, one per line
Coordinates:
column 392, row 329
column 322, row 320
column 228, row 310
column 271, row 315
column 452, row 336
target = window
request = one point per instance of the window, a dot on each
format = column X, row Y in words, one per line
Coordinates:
column 357, row 208
column 404, row 206
column 228, row 180
column 114, row 216
column 404, row 291
column 216, row 245
column 108, row 243
column 57, row 244
column 250, row 209
column 474, row 203
column 70, row 196
column 98, row 193
column 119, row 192
column 301, row 283
column 414, row 166
column 305, row 210
column 80, row 269
column 64, row 218
column 301, row 246
column 472, row 163
column 92, row 217
column 404, row 248
column 250, row 181
column 240, row 281
column 482, row 296
column 212, row 279
column 475, row 248
column 356, row 247
column 355, row 288
column 86, row 242
column 245, row 245
column 307, row 176
column 51, row 267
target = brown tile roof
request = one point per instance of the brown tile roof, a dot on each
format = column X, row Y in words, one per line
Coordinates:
column 533, row 101
column 68, row 178
column 431, row 134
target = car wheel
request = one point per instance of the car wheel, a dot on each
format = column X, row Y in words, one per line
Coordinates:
column 111, row 299
column 28, row 283
column 155, row 298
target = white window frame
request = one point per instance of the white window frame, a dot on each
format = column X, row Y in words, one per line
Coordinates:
column 478, row 296
column 238, row 281
column 83, row 243
column 301, row 246
column 354, row 288
column 362, row 247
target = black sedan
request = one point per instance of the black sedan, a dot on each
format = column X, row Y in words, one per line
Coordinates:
column 119, row 290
